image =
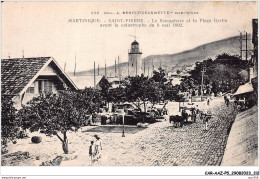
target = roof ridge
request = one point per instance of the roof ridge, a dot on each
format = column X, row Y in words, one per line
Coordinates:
column 26, row 58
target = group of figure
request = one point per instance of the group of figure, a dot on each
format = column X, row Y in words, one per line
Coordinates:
column 95, row 149
column 205, row 116
column 194, row 112
column 237, row 104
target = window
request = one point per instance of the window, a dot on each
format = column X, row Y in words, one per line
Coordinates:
column 30, row 90
column 40, row 86
column 45, row 86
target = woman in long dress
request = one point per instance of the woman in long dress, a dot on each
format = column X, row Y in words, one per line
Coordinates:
column 98, row 146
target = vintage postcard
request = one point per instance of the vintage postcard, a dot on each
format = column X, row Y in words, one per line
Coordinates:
column 86, row 84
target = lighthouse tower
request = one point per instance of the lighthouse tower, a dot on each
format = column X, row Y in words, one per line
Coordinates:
column 134, row 60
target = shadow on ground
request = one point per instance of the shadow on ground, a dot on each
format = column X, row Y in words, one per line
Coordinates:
column 115, row 129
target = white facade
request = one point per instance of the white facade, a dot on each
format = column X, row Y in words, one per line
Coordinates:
column 134, row 60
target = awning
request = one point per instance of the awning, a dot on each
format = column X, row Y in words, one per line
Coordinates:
column 246, row 88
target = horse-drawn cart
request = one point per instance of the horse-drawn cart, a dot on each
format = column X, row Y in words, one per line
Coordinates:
column 177, row 120
column 187, row 114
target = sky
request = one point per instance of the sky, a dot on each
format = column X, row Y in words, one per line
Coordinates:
column 36, row 29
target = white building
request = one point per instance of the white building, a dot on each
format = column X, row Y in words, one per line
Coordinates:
column 134, row 60
column 25, row 78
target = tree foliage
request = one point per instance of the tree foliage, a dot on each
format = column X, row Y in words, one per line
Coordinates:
column 9, row 122
column 116, row 95
column 56, row 114
column 222, row 74
column 159, row 76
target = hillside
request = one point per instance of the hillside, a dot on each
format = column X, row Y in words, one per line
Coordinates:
column 210, row 50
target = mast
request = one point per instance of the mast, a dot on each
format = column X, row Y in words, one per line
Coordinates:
column 119, row 72
column 94, row 75
column 75, row 65
column 115, row 68
column 128, row 69
column 152, row 63
column 64, row 66
column 136, row 67
column 144, row 67
column 105, row 68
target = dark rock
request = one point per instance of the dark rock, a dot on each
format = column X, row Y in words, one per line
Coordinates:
column 54, row 162
column 14, row 158
column 36, row 139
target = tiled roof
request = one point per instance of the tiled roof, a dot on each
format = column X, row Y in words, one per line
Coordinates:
column 16, row 73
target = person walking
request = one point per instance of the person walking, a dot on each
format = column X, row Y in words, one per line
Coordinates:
column 92, row 152
column 206, row 118
column 227, row 102
column 208, row 101
column 203, row 117
column 98, row 146
column 193, row 114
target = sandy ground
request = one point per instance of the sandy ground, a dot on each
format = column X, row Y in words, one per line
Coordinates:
column 159, row 144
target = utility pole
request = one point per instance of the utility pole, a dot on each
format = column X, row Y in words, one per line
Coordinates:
column 202, row 74
column 23, row 53
column 148, row 72
column 241, row 39
column 241, row 45
column 9, row 55
column 98, row 70
column 246, row 46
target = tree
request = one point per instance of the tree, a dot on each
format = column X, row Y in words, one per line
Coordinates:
column 172, row 92
column 56, row 114
column 222, row 74
column 9, row 122
column 159, row 76
column 188, row 84
column 105, row 85
column 140, row 89
column 116, row 95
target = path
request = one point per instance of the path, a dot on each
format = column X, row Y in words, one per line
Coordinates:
column 163, row 145
column 158, row 145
